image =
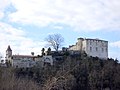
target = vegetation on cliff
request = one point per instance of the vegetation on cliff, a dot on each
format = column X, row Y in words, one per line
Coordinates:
column 72, row 73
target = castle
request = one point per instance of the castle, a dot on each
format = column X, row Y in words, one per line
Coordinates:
column 26, row 61
column 92, row 47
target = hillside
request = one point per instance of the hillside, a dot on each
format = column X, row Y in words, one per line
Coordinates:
column 72, row 73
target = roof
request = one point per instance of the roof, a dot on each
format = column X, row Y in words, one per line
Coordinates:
column 25, row 56
column 92, row 39
column 96, row 39
column 9, row 49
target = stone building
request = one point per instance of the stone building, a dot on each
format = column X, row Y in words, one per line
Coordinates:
column 92, row 47
column 8, row 53
column 27, row 61
column 20, row 61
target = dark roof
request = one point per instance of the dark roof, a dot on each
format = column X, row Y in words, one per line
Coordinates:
column 92, row 39
column 9, row 49
column 96, row 39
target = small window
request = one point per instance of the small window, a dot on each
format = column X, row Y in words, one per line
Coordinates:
column 102, row 44
column 96, row 49
column 96, row 43
column 102, row 49
column 90, row 43
column 90, row 49
column 106, row 50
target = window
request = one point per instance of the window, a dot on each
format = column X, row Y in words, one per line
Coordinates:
column 90, row 49
column 106, row 50
column 102, row 49
column 102, row 44
column 90, row 42
column 96, row 49
column 96, row 43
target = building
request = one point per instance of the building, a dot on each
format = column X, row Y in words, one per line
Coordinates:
column 44, row 61
column 92, row 47
column 8, row 54
column 20, row 61
column 27, row 61
column 47, row 60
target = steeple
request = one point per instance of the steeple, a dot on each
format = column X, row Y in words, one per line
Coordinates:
column 8, row 49
column 8, row 52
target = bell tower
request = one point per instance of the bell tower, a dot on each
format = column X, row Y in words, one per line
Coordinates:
column 8, row 53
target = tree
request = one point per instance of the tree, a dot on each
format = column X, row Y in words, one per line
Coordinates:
column 55, row 40
column 43, row 51
column 49, row 51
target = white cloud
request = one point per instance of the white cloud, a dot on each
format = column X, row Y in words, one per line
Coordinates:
column 80, row 14
column 115, row 44
column 3, row 5
column 17, row 40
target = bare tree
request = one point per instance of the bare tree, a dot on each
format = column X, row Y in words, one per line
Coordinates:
column 55, row 40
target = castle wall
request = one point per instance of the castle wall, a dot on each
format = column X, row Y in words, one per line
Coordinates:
column 93, row 47
column 97, row 48
column 73, row 47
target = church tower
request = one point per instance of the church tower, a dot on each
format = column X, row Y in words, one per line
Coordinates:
column 8, row 53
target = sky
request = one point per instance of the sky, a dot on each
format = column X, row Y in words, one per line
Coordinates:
column 24, row 24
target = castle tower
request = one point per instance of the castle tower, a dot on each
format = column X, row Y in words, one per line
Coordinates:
column 80, row 44
column 8, row 53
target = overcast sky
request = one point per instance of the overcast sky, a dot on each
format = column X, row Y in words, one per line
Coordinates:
column 25, row 23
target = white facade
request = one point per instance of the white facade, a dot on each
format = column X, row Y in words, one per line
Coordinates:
column 93, row 47
column 27, row 61
column 48, row 59
column 23, row 61
column 42, row 61
column 20, row 61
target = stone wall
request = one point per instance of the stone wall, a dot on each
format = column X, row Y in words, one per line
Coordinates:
column 93, row 47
